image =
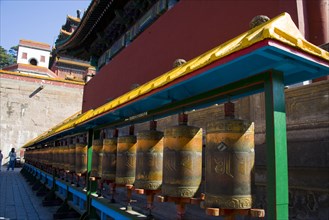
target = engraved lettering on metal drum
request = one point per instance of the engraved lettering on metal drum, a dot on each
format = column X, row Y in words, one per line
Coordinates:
column 96, row 165
column 182, row 158
column 126, row 160
column 229, row 163
column 149, row 160
column 109, row 158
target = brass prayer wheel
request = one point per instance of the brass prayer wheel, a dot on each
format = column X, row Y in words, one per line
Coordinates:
column 126, row 160
column 81, row 155
column 50, row 156
column 110, row 157
column 229, row 163
column 149, row 159
column 43, row 155
column 35, row 156
column 71, row 157
column 46, row 153
column 61, row 156
column 66, row 156
column 96, row 165
column 55, row 156
column 182, row 156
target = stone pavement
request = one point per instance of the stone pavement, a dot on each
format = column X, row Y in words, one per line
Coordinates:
column 18, row 201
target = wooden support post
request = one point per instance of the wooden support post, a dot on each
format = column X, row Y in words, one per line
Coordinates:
column 276, row 147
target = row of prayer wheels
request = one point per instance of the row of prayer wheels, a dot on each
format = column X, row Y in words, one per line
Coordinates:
column 69, row 155
column 171, row 161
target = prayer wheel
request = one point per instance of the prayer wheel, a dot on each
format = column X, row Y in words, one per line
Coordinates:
column 182, row 156
column 61, row 163
column 229, row 162
column 50, row 156
column 47, row 156
column 56, row 156
column 66, row 156
column 110, row 157
column 47, row 152
column 81, row 155
column 41, row 158
column 126, row 159
column 35, row 155
column 96, row 165
column 43, row 155
column 149, row 159
column 72, row 156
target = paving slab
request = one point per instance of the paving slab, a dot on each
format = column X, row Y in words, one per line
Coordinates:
column 18, row 201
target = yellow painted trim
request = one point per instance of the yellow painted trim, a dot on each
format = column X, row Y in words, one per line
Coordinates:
column 280, row 28
column 73, row 18
column 33, row 42
column 40, row 77
column 34, row 67
column 46, row 133
column 65, row 32
column 73, row 63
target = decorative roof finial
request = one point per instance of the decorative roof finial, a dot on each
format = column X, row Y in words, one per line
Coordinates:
column 179, row 62
column 78, row 13
column 258, row 20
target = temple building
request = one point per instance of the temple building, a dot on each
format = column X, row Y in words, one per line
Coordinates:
column 32, row 58
column 72, row 69
column 66, row 66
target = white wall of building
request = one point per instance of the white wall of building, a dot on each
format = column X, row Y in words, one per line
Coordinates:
column 32, row 53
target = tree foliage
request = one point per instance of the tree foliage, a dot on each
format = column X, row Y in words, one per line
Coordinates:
column 13, row 51
column 7, row 58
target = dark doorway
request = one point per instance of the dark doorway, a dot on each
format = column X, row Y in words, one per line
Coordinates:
column 33, row 62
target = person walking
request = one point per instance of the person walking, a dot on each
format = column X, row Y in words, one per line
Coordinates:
column 1, row 156
column 12, row 159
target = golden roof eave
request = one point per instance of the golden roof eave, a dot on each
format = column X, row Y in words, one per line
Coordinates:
column 87, row 65
column 46, row 133
column 62, row 31
column 73, row 18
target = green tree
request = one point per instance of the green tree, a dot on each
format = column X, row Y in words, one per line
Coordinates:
column 6, row 58
column 13, row 51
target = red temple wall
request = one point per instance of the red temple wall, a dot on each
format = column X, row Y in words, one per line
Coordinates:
column 189, row 29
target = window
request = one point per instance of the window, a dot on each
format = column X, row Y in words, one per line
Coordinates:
column 24, row 55
column 42, row 59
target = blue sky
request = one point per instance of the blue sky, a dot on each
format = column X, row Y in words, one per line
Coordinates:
column 38, row 20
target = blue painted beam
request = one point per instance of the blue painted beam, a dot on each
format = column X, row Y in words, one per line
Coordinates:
column 112, row 212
